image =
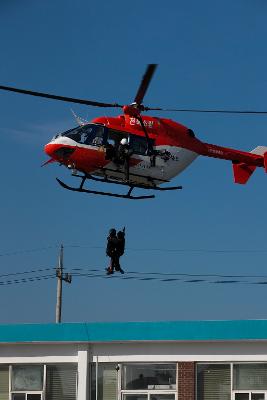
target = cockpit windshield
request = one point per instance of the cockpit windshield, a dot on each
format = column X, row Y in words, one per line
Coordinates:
column 91, row 134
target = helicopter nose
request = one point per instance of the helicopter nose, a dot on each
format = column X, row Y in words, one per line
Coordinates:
column 57, row 151
column 49, row 149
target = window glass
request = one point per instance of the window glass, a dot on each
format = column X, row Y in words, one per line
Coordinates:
column 34, row 396
column 18, row 396
column 162, row 396
column 90, row 134
column 257, row 396
column 250, row 377
column 61, row 381
column 135, row 396
column 242, row 396
column 139, row 144
column 114, row 137
column 107, row 388
column 4, row 383
column 27, row 377
column 148, row 376
column 213, row 382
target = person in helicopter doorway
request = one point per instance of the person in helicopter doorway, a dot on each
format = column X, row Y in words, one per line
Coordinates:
column 123, row 155
column 115, row 249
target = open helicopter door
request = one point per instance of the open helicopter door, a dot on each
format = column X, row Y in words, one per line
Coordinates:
column 139, row 145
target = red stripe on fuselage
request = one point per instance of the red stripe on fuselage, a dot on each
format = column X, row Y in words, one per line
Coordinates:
column 85, row 159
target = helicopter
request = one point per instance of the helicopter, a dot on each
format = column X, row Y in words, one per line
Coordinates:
column 134, row 150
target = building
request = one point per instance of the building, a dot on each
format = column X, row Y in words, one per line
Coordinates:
column 177, row 360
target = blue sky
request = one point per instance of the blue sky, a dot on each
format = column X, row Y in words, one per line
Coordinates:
column 211, row 54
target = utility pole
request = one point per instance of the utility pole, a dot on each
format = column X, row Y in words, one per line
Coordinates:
column 60, row 277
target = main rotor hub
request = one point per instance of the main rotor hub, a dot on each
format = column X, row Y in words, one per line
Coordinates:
column 133, row 110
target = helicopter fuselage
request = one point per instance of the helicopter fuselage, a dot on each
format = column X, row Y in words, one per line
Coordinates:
column 85, row 149
column 175, row 147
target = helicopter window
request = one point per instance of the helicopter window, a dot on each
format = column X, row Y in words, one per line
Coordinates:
column 90, row 134
column 73, row 134
column 114, row 137
column 93, row 135
column 139, row 144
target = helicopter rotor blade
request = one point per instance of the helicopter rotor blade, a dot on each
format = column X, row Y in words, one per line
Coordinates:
column 195, row 110
column 145, row 83
column 61, row 98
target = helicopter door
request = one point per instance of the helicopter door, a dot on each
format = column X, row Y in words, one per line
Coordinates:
column 138, row 145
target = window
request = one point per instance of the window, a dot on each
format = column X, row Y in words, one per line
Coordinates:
column 91, row 134
column 27, row 378
column 61, row 381
column 4, row 382
column 135, row 381
column 213, row 382
column 114, row 137
column 26, row 396
column 139, row 144
column 29, row 381
column 250, row 377
column 148, row 376
column 107, row 379
column 150, row 396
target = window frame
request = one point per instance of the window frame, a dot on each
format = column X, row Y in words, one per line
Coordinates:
column 11, row 391
column 26, row 393
column 232, row 363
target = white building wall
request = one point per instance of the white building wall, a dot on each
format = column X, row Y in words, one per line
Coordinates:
column 83, row 354
column 134, row 352
column 38, row 353
column 182, row 351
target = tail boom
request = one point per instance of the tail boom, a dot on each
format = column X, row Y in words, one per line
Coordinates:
column 244, row 163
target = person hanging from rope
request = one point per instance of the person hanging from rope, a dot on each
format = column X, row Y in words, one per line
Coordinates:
column 115, row 249
column 121, row 242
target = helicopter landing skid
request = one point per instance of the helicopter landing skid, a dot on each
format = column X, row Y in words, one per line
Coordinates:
column 128, row 195
column 124, row 196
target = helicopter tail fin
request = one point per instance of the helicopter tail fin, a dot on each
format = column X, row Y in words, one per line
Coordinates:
column 242, row 171
column 262, row 151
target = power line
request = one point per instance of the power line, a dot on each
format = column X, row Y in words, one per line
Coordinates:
column 199, row 110
column 153, row 276
column 26, row 280
column 174, row 278
column 27, row 272
column 92, row 270
column 18, row 252
column 199, row 250
column 138, row 249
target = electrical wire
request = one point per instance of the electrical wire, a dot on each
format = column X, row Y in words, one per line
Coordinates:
column 26, row 280
column 93, row 270
column 27, row 272
column 145, row 277
column 169, row 280
column 18, row 252
column 198, row 110
column 137, row 249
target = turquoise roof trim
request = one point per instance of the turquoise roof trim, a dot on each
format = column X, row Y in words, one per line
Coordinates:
column 135, row 331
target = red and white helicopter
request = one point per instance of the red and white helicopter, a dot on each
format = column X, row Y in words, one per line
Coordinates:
column 158, row 149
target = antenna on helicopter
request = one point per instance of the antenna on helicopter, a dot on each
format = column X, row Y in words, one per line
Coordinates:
column 80, row 121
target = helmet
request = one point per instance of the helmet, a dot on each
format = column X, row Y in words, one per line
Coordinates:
column 112, row 232
column 124, row 141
